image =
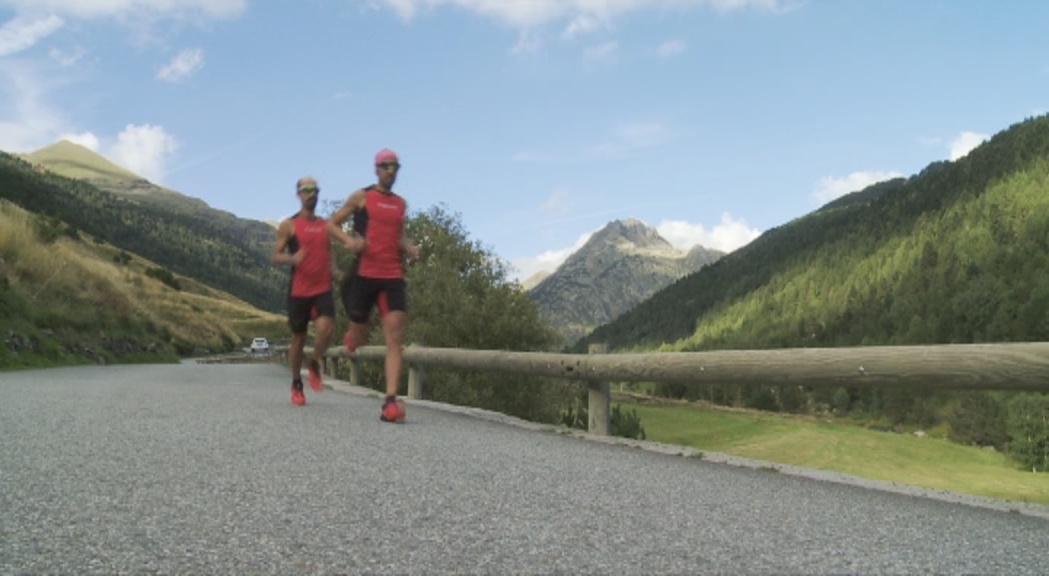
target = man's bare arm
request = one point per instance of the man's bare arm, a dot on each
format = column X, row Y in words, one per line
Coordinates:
column 354, row 203
column 280, row 256
column 408, row 247
column 353, row 242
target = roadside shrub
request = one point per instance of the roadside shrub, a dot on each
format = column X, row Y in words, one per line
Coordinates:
column 978, row 419
column 841, row 401
column 623, row 423
column 762, row 398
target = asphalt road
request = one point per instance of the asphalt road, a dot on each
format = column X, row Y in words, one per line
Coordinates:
column 209, row 469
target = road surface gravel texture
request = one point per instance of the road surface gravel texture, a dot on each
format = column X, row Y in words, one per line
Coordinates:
column 195, row 468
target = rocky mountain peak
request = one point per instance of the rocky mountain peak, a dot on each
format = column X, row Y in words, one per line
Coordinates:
column 619, row 266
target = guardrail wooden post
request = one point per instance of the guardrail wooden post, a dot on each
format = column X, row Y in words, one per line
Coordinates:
column 600, row 400
column 415, row 381
column 329, row 367
column 355, row 371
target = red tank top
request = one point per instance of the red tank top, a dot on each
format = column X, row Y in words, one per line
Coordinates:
column 313, row 275
column 385, row 222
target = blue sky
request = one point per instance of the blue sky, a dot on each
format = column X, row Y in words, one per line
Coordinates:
column 539, row 121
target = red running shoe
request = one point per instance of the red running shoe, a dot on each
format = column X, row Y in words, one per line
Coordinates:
column 316, row 382
column 297, row 397
column 392, row 411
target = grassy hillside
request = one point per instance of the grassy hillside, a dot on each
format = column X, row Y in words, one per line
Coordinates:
column 954, row 254
column 66, row 299
column 842, row 446
column 204, row 247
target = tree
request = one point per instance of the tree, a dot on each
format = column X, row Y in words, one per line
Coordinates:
column 1029, row 428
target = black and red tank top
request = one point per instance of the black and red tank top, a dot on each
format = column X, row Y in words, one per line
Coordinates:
column 381, row 223
column 313, row 275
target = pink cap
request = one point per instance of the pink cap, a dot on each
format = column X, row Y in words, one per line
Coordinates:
column 385, row 155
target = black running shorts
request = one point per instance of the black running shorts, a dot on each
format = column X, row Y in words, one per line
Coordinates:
column 302, row 310
column 360, row 295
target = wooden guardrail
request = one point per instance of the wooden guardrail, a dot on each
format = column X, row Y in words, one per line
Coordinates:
column 1010, row 366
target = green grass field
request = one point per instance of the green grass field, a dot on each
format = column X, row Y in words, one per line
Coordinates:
column 844, row 447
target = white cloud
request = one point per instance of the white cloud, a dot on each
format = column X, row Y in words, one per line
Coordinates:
column 85, row 139
column 623, row 140
column 831, row 187
column 531, row 156
column 22, row 32
column 631, row 137
column 144, row 150
column 671, row 48
column 605, row 51
column 581, row 15
column 557, row 204
column 28, row 122
column 584, row 24
column 527, row 43
column 131, row 8
column 32, row 125
column 67, row 59
column 548, row 261
column 728, row 235
column 965, row 142
column 182, row 66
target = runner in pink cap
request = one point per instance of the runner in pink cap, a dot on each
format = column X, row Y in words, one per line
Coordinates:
column 385, row 155
column 376, row 278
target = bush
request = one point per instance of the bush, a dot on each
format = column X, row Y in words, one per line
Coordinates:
column 842, row 400
column 627, row 424
column 978, row 419
column 164, row 276
column 623, row 423
column 763, row 398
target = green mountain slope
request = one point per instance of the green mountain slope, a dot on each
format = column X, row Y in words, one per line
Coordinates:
column 198, row 246
column 957, row 253
column 74, row 161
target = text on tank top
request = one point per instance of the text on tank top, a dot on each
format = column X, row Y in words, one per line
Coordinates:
column 381, row 223
column 313, row 275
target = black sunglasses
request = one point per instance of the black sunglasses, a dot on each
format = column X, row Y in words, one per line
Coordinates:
column 389, row 166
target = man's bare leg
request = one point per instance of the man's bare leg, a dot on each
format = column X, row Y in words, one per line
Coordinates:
column 323, row 326
column 298, row 342
column 393, row 330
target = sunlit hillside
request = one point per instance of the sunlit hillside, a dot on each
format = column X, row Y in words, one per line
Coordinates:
column 75, row 161
column 176, row 232
column 64, row 295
